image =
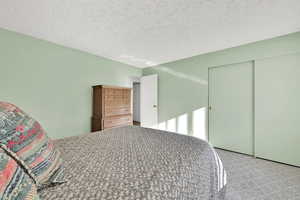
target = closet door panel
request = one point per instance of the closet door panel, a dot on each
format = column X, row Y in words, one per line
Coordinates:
column 277, row 109
column 231, row 107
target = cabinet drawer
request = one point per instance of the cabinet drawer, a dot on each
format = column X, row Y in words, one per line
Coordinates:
column 110, row 111
column 117, row 121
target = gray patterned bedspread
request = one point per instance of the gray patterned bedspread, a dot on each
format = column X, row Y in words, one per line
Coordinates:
column 132, row 163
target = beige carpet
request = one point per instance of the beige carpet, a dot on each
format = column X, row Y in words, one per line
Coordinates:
column 257, row 179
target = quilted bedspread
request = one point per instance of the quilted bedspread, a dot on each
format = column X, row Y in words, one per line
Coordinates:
column 132, row 163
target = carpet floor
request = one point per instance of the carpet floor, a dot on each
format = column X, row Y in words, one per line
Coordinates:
column 257, row 179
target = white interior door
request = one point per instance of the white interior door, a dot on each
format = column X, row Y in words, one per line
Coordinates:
column 231, row 107
column 149, row 94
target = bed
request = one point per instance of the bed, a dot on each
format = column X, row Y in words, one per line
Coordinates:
column 132, row 163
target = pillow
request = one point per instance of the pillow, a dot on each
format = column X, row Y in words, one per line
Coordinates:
column 30, row 144
column 15, row 184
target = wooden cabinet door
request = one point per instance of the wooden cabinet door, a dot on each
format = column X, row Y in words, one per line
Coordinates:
column 117, row 101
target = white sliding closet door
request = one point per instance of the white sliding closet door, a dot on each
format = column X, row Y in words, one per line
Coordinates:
column 231, row 107
column 277, row 112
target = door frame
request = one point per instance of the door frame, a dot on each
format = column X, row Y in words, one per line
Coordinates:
column 253, row 99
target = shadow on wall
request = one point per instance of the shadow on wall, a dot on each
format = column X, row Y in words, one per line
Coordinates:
column 194, row 124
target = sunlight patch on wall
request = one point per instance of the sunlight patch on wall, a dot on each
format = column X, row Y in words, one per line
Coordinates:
column 162, row 126
column 182, row 124
column 194, row 123
column 183, row 75
column 200, row 123
column 171, row 125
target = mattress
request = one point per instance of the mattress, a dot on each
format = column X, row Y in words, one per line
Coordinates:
column 138, row 163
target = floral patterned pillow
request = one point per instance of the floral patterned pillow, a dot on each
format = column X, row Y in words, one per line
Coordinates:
column 15, row 184
column 30, row 144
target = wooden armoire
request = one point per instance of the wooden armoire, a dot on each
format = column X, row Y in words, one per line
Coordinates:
column 111, row 107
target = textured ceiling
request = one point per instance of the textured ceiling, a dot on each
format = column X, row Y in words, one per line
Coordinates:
column 150, row 32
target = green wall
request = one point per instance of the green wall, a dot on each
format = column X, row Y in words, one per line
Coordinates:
column 183, row 84
column 53, row 83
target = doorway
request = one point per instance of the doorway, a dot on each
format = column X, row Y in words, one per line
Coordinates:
column 136, row 103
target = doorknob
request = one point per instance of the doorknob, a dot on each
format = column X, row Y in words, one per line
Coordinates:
column 154, row 106
column 210, row 108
